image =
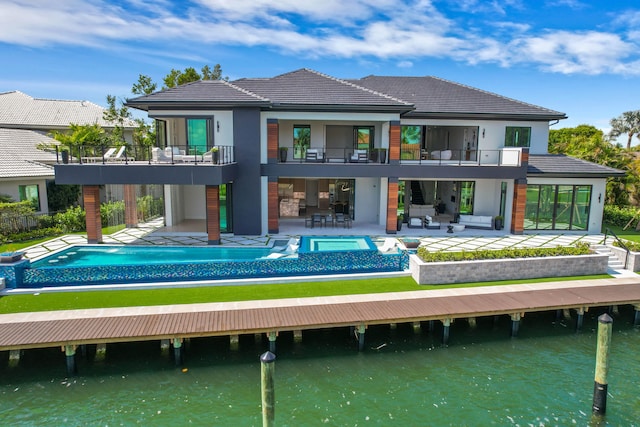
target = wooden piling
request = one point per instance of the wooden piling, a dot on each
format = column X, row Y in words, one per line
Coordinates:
column 267, row 370
column 515, row 323
column 177, row 351
column 14, row 358
column 417, row 328
column 234, row 342
column 273, row 335
column 605, row 325
column 101, row 352
column 472, row 322
column 636, row 317
column 445, row 334
column 580, row 319
column 70, row 353
column 361, row 329
column 297, row 336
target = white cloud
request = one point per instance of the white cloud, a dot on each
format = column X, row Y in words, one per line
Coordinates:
column 405, row 64
column 358, row 29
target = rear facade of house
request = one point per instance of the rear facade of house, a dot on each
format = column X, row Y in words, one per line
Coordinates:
column 249, row 156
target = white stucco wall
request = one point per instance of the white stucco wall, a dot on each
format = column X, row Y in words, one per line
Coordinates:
column 176, row 125
column 11, row 188
column 367, row 200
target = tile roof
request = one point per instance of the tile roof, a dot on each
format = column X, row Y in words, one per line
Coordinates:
column 433, row 96
column 558, row 165
column 19, row 110
column 311, row 88
column 19, row 157
column 203, row 92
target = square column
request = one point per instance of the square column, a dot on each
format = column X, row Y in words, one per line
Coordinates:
column 392, row 206
column 130, row 206
column 91, row 197
column 213, row 214
column 273, row 206
column 519, row 205
column 273, row 131
column 394, row 142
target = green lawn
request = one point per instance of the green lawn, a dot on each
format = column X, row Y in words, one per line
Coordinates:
column 628, row 234
column 131, row 298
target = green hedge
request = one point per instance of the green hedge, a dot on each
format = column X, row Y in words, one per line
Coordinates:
column 632, row 246
column 38, row 233
column 440, row 256
column 620, row 216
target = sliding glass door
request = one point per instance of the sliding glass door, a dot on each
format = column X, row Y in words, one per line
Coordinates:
column 557, row 207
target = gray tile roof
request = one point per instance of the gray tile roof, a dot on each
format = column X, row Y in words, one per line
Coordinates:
column 306, row 87
column 18, row 110
column 19, row 157
column 558, row 165
column 435, row 97
column 203, row 92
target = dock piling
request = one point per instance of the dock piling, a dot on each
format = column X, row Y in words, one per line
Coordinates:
column 445, row 333
column 515, row 323
column 70, row 353
column 360, row 333
column 267, row 370
column 636, row 316
column 605, row 324
column 101, row 352
column 273, row 335
column 297, row 336
column 234, row 342
column 177, row 351
column 14, row 358
column 580, row 319
column 417, row 328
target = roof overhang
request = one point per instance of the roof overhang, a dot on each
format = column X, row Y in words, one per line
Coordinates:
column 484, row 116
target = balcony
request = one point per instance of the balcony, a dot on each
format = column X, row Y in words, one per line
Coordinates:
column 126, row 155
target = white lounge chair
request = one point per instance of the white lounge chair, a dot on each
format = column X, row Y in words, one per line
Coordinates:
column 107, row 154
column 388, row 245
column 119, row 156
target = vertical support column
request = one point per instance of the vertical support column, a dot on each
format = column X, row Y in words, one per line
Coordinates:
column 213, row 214
column 360, row 332
column 472, row 322
column 273, row 335
column 636, row 316
column 580, row 318
column 417, row 328
column 445, row 334
column 101, row 352
column 273, row 137
column 14, row 358
column 518, row 206
column 297, row 336
column 164, row 347
column 605, row 324
column 91, row 197
column 130, row 206
column 234, row 342
column 273, row 205
column 70, row 353
column 267, row 370
column 515, row 323
column 177, row 351
column 394, row 142
column 392, row 206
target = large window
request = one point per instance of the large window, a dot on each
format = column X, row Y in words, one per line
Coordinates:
column 30, row 192
column 411, row 135
column 467, row 189
column 199, row 136
column 226, row 214
column 363, row 137
column 517, row 137
column 161, row 133
column 301, row 140
column 557, row 207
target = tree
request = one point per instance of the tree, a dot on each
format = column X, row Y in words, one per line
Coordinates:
column 118, row 116
column 144, row 86
column 628, row 123
column 588, row 143
column 177, row 77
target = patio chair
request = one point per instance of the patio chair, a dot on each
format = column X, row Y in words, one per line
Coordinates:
column 107, row 154
column 158, row 155
column 316, row 219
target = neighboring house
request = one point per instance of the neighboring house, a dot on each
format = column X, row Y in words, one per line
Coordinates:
column 369, row 148
column 25, row 123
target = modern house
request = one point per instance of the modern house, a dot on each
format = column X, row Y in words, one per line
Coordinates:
column 26, row 123
column 362, row 150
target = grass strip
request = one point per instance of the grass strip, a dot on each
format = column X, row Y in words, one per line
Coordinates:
column 51, row 301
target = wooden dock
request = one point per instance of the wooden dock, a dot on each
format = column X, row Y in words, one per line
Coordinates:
column 72, row 328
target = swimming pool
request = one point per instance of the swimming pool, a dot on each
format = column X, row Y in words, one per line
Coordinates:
column 95, row 256
column 336, row 244
column 101, row 264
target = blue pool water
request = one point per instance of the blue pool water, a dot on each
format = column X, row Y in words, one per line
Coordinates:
column 336, row 243
column 93, row 256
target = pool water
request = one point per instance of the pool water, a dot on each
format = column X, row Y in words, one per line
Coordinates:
column 336, row 243
column 94, row 256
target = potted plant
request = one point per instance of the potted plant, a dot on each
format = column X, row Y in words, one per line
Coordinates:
column 64, row 153
column 283, row 154
column 498, row 222
column 215, row 155
column 382, row 155
column 400, row 220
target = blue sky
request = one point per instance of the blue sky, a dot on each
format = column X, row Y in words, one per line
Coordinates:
column 578, row 57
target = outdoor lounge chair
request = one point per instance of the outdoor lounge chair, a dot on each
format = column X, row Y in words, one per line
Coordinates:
column 314, row 156
column 119, row 156
column 107, row 154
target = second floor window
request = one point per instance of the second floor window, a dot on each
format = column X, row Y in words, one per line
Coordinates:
column 198, row 135
column 363, row 136
column 517, row 136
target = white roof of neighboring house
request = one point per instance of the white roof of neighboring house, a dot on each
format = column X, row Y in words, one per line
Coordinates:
column 19, row 110
column 20, row 157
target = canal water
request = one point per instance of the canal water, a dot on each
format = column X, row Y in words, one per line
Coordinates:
column 544, row 377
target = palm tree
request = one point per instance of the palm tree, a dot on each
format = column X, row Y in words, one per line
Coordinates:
column 629, row 123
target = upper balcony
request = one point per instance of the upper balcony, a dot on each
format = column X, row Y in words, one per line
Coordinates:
column 409, row 155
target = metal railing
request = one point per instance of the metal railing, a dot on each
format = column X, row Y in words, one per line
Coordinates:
column 620, row 242
column 125, row 154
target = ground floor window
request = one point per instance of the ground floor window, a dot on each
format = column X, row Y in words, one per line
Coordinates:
column 226, row 217
column 30, row 192
column 467, row 190
column 557, row 207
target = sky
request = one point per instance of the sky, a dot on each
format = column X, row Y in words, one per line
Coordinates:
column 575, row 56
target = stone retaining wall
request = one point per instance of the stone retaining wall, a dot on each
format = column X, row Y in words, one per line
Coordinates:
column 439, row 273
column 634, row 257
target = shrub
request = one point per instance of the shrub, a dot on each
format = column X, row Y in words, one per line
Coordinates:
column 73, row 219
column 632, row 246
column 112, row 213
column 440, row 256
column 38, row 233
column 620, row 216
